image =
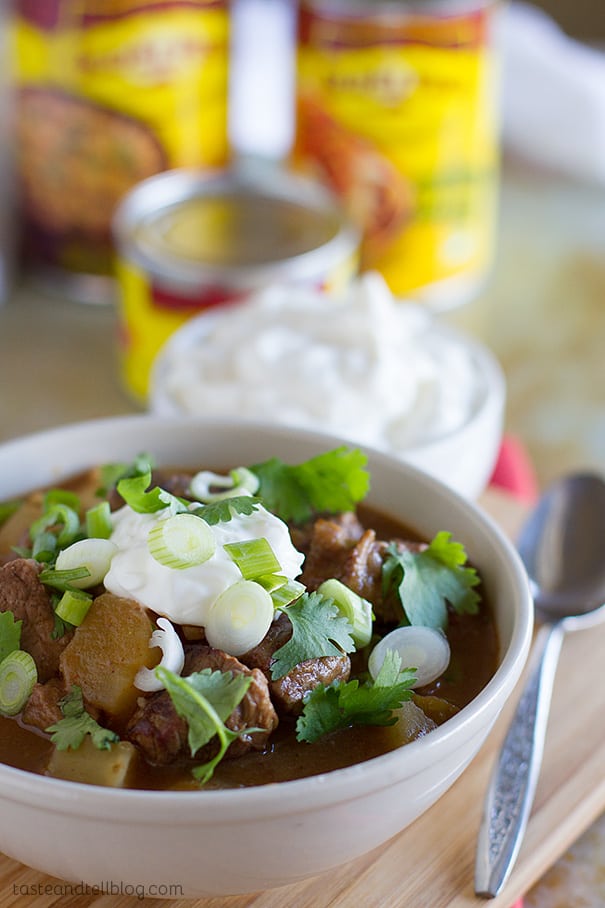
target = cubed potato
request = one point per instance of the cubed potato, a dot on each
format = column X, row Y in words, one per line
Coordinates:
column 106, row 652
column 412, row 723
column 112, row 768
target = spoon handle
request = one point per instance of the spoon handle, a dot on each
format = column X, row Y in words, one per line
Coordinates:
column 513, row 784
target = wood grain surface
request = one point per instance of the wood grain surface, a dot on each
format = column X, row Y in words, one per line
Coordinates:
column 431, row 864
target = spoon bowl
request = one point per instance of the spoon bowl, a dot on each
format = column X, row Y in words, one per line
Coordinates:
column 561, row 545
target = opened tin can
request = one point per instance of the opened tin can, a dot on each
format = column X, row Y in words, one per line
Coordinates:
column 397, row 113
column 189, row 240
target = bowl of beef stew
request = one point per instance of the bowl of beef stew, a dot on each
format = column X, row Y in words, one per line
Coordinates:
column 254, row 654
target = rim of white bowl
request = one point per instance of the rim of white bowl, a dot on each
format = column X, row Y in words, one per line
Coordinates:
column 300, row 795
column 492, row 393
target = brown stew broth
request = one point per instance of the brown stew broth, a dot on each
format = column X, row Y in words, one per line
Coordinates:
column 474, row 658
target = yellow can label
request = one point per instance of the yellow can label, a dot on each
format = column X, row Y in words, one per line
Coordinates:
column 110, row 92
column 398, row 116
column 149, row 313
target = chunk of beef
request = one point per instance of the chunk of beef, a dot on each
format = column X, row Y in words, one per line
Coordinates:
column 329, row 546
column 29, row 600
column 177, row 483
column 349, row 530
column 288, row 692
column 278, row 634
column 356, row 560
column 362, row 568
column 158, row 731
column 161, row 734
column 42, row 709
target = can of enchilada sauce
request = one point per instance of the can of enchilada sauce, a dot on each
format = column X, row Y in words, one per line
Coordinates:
column 397, row 112
column 108, row 93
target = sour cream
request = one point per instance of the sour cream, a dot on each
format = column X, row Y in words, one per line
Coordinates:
column 185, row 596
column 362, row 366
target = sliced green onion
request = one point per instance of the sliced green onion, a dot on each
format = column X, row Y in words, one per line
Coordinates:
column 98, row 521
column 287, row 593
column 254, row 557
column 61, row 496
column 135, row 492
column 18, row 674
column 181, row 541
column 425, row 649
column 271, row 582
column 356, row 609
column 111, row 473
column 93, row 554
column 63, row 580
column 245, row 480
column 239, row 618
column 73, row 606
column 55, row 516
column 241, row 481
column 44, row 546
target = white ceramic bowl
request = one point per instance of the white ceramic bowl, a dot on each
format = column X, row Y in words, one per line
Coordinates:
column 458, row 442
column 234, row 841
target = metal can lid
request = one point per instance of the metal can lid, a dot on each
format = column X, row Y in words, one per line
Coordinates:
column 379, row 9
column 243, row 227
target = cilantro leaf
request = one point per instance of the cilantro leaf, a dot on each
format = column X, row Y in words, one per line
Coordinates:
column 318, row 629
column 428, row 580
column 330, row 482
column 223, row 510
column 205, row 700
column 70, row 731
column 342, row 704
column 10, row 634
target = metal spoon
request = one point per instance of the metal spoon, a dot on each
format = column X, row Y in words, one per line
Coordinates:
column 563, row 548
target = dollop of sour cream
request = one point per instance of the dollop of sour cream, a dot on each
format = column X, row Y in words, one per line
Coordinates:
column 185, row 596
column 361, row 365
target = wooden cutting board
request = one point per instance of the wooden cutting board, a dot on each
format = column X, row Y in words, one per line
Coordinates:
column 431, row 864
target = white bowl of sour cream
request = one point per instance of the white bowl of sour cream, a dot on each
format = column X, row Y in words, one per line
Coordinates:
column 362, row 365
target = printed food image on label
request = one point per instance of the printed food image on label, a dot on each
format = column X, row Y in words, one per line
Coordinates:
column 396, row 111
column 76, row 159
column 379, row 199
column 107, row 94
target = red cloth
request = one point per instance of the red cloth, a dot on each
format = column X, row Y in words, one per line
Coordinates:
column 514, row 472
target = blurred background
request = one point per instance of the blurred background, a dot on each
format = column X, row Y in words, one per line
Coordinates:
column 536, row 298
column 583, row 20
